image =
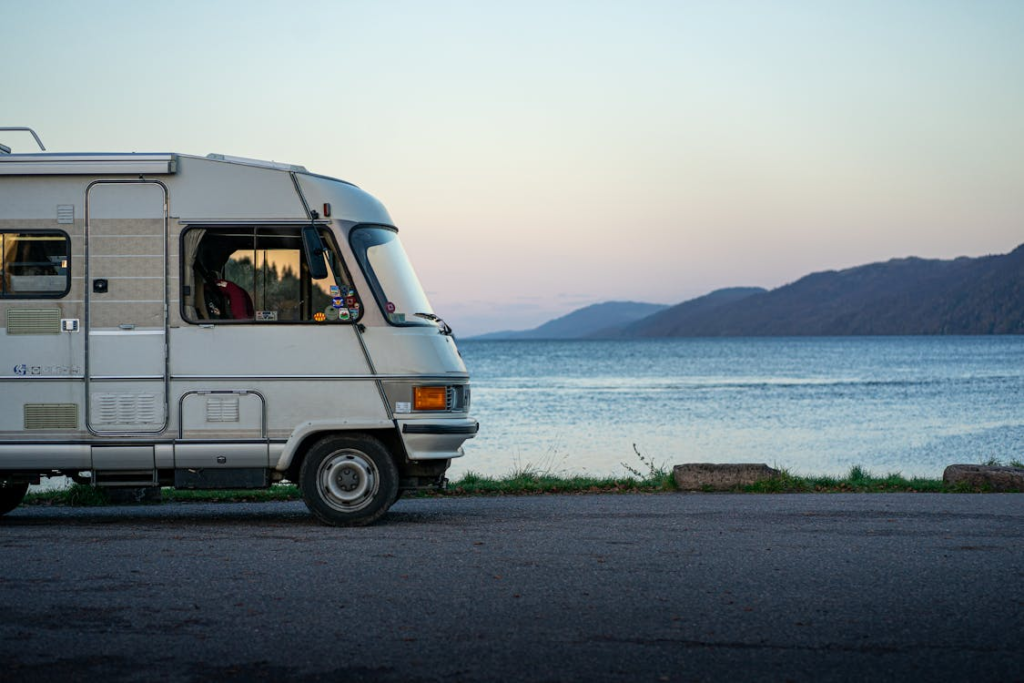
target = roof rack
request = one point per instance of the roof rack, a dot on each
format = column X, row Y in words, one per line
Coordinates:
column 4, row 149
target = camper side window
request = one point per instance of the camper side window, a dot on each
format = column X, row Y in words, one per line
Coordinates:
column 34, row 264
column 257, row 275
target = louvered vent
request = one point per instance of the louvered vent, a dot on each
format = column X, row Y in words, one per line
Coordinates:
column 33, row 320
column 51, row 416
column 124, row 409
column 222, row 409
column 66, row 213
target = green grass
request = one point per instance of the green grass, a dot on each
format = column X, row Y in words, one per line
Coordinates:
column 858, row 480
column 528, row 483
column 83, row 495
column 76, row 495
column 275, row 492
column 528, row 480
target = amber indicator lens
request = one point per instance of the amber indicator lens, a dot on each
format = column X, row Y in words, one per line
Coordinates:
column 429, row 398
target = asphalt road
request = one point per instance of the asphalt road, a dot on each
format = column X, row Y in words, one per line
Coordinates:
column 599, row 587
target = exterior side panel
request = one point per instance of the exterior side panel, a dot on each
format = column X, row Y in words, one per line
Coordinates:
column 58, row 456
column 413, row 350
column 204, row 189
column 259, row 350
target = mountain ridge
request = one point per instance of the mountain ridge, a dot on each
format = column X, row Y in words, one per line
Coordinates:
column 901, row 296
column 581, row 322
column 905, row 296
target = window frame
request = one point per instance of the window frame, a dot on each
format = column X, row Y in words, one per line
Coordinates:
column 326, row 234
column 376, row 289
column 55, row 232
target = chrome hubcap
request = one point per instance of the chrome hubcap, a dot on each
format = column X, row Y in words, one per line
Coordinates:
column 348, row 480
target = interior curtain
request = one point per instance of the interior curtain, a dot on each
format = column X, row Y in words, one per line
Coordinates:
column 192, row 239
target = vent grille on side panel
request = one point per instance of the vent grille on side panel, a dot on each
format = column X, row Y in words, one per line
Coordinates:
column 66, row 213
column 33, row 320
column 222, row 409
column 51, row 416
column 124, row 409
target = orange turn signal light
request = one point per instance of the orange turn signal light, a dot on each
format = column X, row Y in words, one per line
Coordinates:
column 429, row 398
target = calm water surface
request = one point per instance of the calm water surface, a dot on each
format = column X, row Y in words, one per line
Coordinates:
column 815, row 406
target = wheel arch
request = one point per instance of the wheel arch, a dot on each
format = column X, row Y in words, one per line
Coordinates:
column 308, row 434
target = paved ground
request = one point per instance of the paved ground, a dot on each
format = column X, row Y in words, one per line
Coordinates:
column 624, row 588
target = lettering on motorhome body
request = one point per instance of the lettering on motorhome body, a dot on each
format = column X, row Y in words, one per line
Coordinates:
column 24, row 369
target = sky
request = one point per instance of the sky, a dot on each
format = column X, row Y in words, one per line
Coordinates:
column 538, row 157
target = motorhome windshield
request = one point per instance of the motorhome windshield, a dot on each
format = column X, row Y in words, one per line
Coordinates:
column 391, row 276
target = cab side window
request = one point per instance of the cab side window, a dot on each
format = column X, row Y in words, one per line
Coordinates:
column 34, row 264
column 258, row 275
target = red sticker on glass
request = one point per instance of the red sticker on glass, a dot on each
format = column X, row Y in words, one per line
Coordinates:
column 389, row 307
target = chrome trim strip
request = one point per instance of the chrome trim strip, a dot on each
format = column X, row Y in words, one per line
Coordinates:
column 128, row 333
column 235, row 378
column 267, row 378
column 126, row 378
column 236, row 222
column 145, row 442
column 41, row 378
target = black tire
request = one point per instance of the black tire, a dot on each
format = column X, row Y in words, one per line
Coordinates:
column 11, row 495
column 348, row 480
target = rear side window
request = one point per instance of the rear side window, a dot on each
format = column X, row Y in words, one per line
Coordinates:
column 34, row 265
column 258, row 275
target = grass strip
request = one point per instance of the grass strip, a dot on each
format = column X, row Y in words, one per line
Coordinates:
column 857, row 481
column 527, row 482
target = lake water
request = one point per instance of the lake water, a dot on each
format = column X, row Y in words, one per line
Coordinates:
column 813, row 405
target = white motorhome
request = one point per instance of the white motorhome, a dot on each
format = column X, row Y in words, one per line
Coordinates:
column 216, row 322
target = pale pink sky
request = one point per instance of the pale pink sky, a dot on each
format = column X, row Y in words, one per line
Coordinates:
column 541, row 156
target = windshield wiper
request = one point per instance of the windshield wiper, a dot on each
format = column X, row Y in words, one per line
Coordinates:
column 445, row 329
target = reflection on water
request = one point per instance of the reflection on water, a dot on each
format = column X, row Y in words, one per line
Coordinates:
column 812, row 405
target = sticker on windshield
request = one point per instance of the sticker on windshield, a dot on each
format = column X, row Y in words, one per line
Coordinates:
column 350, row 301
column 389, row 307
column 343, row 314
column 335, row 290
column 337, row 302
column 331, row 314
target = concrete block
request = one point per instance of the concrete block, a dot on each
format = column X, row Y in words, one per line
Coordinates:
column 993, row 478
column 699, row 476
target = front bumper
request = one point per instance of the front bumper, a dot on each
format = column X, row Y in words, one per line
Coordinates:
column 436, row 439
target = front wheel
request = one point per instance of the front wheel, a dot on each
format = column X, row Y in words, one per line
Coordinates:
column 348, row 480
column 11, row 495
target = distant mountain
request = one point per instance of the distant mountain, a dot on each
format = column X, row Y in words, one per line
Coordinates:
column 668, row 322
column 583, row 322
column 909, row 296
